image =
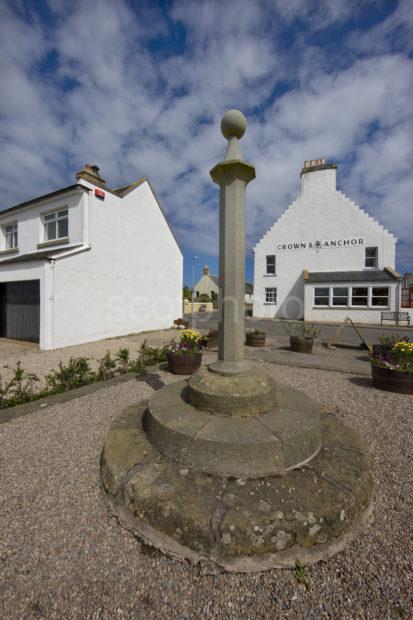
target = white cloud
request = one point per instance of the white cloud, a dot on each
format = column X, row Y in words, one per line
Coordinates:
column 117, row 95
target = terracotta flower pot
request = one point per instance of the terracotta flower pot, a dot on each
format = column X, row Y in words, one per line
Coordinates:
column 299, row 344
column 254, row 340
column 392, row 380
column 183, row 363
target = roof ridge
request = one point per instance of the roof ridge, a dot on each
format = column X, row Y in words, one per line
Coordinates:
column 124, row 190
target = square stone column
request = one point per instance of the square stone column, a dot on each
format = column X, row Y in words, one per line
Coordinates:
column 232, row 175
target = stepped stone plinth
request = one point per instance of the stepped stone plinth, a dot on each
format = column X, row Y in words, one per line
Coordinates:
column 230, row 466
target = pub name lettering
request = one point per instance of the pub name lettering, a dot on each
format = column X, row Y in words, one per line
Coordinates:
column 316, row 245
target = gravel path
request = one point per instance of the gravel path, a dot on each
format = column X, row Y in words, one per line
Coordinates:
column 63, row 556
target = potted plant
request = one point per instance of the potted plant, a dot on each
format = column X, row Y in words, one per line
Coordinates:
column 387, row 342
column 393, row 369
column 185, row 356
column 255, row 338
column 302, row 337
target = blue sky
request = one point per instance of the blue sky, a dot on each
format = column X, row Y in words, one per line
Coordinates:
column 139, row 88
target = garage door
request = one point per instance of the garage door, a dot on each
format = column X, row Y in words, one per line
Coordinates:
column 20, row 310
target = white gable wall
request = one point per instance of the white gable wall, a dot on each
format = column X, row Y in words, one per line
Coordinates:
column 319, row 213
column 205, row 286
column 129, row 281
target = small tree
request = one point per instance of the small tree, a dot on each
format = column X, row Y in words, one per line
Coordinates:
column 186, row 293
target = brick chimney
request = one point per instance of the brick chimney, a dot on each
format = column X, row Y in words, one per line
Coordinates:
column 205, row 270
column 90, row 173
column 317, row 174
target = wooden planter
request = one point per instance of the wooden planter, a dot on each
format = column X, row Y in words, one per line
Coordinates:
column 255, row 340
column 299, row 344
column 183, row 363
column 392, row 380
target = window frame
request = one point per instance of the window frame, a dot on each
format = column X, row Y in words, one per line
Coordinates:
column 267, row 265
column 375, row 257
column 13, row 234
column 273, row 302
column 47, row 219
column 352, row 296
column 380, row 297
column 370, row 297
column 321, row 296
column 334, row 296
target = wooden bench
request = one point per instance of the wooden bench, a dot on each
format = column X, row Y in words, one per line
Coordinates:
column 395, row 316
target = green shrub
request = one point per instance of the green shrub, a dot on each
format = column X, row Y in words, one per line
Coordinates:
column 123, row 359
column 106, row 368
column 147, row 356
column 20, row 389
column 75, row 374
column 301, row 329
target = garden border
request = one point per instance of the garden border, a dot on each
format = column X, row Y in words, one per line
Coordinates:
column 11, row 413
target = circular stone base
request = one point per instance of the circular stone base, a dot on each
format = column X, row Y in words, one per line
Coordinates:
column 270, row 443
column 241, row 524
column 234, row 395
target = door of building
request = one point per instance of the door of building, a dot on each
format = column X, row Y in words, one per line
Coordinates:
column 20, row 310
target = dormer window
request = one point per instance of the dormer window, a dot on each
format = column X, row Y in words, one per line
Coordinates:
column 10, row 233
column 371, row 257
column 56, row 225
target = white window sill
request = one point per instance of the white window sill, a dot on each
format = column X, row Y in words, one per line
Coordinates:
column 46, row 244
column 351, row 307
column 269, row 275
column 269, row 303
column 9, row 251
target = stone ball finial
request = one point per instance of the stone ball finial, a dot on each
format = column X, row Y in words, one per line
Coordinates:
column 233, row 124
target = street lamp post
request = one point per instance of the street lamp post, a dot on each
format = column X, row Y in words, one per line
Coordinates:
column 194, row 258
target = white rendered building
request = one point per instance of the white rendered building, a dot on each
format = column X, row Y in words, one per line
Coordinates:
column 209, row 285
column 325, row 258
column 87, row 262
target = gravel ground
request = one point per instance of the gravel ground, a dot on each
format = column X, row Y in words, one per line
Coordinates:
column 39, row 362
column 33, row 360
column 63, row 556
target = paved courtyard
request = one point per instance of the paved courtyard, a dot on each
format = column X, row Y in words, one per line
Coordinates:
column 62, row 555
column 278, row 327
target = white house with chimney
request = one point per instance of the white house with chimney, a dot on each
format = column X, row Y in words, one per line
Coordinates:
column 325, row 258
column 208, row 284
column 87, row 262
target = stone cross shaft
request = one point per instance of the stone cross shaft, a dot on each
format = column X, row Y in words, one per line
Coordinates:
column 232, row 175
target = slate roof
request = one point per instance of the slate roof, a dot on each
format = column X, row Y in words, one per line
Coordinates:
column 43, row 255
column 379, row 275
column 58, row 192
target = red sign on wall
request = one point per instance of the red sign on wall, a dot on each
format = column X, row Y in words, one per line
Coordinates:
column 100, row 194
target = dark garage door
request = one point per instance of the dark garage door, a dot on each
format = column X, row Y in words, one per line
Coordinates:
column 20, row 310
